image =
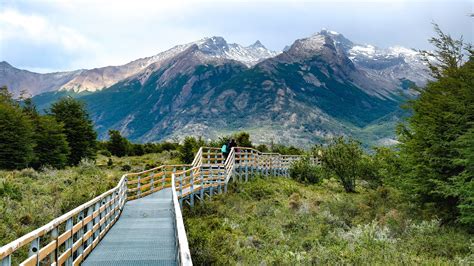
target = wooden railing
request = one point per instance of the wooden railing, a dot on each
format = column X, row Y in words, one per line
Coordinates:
column 71, row 237
column 211, row 172
column 67, row 240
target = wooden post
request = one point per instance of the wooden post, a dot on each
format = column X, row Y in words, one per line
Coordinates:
column 212, row 182
column 97, row 219
column 90, row 225
column 202, row 188
column 163, row 176
column 152, row 182
column 80, row 233
column 246, row 166
column 53, row 257
column 191, row 188
column 34, row 248
column 139, row 191
column 219, row 186
column 7, row 261
column 69, row 225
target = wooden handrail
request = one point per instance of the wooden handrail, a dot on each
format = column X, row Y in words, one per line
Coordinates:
column 11, row 247
column 184, row 255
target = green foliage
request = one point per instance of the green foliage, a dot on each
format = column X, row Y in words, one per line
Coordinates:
column 187, row 150
column 16, row 132
column 286, row 150
column 463, row 184
column 304, row 171
column 262, row 148
column 243, row 139
column 344, row 159
column 77, row 127
column 437, row 173
column 137, row 149
column 52, row 148
column 279, row 221
column 118, row 145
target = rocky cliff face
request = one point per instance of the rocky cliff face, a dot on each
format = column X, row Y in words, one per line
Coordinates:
column 321, row 86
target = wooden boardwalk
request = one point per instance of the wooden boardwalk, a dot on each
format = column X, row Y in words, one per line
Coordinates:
column 139, row 222
column 144, row 234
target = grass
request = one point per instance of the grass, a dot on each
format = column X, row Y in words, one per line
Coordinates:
column 30, row 198
column 282, row 222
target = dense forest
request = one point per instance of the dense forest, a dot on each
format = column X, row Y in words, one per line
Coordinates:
column 413, row 202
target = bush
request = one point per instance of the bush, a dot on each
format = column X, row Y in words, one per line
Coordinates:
column 190, row 145
column 344, row 159
column 106, row 153
column 305, row 172
column 126, row 168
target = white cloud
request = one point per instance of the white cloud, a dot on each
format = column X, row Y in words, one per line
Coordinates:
column 37, row 29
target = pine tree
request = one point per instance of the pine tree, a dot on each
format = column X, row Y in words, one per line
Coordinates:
column 16, row 131
column 78, row 128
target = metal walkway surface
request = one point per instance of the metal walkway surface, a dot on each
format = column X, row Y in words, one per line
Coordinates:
column 144, row 234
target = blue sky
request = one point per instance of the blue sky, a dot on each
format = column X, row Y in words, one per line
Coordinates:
column 56, row 35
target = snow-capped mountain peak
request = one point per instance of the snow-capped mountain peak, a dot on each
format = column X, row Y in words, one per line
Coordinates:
column 248, row 55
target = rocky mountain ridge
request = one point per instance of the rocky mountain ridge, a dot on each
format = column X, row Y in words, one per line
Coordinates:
column 321, row 86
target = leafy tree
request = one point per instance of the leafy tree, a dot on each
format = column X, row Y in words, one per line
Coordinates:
column 463, row 184
column 243, row 139
column 118, row 145
column 16, row 131
column 343, row 159
column 262, row 148
column 187, row 150
column 78, row 128
column 442, row 117
column 138, row 149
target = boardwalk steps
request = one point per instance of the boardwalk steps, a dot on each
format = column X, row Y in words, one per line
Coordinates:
column 139, row 222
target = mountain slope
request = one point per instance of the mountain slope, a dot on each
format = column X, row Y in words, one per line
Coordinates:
column 99, row 78
column 320, row 86
column 18, row 80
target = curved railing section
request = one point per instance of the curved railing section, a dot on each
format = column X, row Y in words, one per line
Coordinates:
column 67, row 240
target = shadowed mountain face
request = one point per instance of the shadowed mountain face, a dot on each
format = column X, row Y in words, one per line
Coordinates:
column 320, row 86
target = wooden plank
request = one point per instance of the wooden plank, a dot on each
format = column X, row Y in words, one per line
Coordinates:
column 87, row 219
column 76, row 245
column 31, row 261
column 87, row 250
column 95, row 242
column 76, row 227
column 78, row 260
column 63, row 237
column 86, row 236
column 46, row 250
column 95, row 227
column 64, row 256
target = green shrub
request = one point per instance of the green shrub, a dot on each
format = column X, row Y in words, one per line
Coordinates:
column 305, row 172
column 105, row 153
column 344, row 159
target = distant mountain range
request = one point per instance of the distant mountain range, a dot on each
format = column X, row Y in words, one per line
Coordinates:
column 318, row 87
